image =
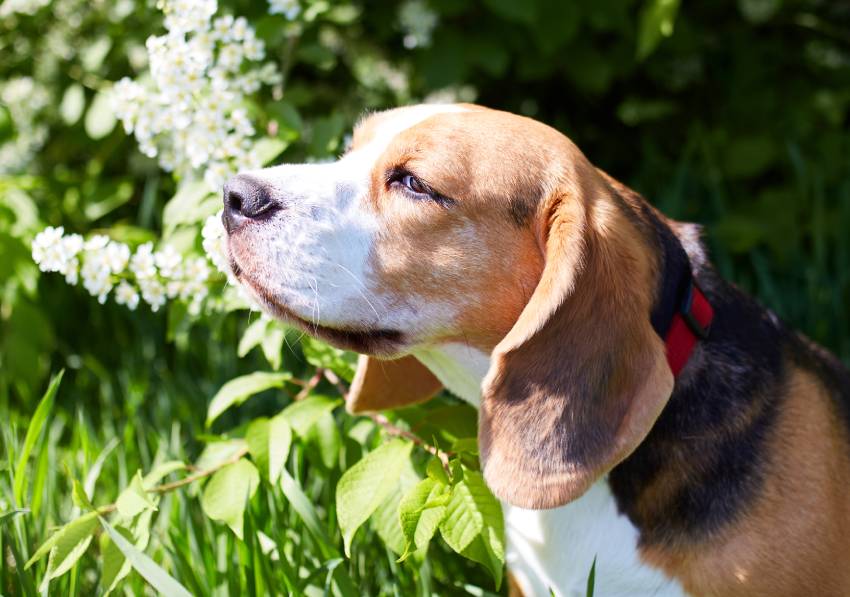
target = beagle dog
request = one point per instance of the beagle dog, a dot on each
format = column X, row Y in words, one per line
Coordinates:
column 633, row 406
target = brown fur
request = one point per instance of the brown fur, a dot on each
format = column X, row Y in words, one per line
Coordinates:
column 563, row 403
column 384, row 384
column 795, row 538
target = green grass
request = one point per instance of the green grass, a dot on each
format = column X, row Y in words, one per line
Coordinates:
column 101, row 442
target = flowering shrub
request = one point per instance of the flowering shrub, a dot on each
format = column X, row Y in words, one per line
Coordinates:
column 104, row 264
column 191, row 115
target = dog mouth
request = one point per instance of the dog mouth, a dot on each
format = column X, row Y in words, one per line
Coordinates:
column 374, row 341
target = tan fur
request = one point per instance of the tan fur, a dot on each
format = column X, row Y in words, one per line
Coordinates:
column 795, row 538
column 384, row 384
column 438, row 254
column 563, row 403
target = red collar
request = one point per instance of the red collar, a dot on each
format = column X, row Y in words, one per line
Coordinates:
column 690, row 323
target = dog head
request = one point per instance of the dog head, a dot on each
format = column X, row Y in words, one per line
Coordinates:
column 462, row 224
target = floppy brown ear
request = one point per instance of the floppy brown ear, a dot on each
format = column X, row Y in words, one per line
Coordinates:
column 580, row 379
column 382, row 384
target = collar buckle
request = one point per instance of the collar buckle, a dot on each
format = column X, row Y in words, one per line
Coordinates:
column 687, row 311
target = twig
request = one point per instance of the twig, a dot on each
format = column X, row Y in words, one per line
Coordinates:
column 391, row 427
column 397, row 431
column 310, row 385
column 167, row 487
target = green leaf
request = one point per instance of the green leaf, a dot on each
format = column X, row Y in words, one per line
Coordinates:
column 473, row 525
column 257, row 438
column 79, row 497
column 324, row 435
column 302, row 415
column 100, row 119
column 228, row 492
column 191, row 204
column 237, row 390
column 268, row 148
column 420, row 513
column 65, row 547
column 511, row 10
column 307, row 512
column 160, row 471
column 115, row 565
column 33, row 432
column 280, row 439
column 363, row 487
column 385, row 519
column 319, row 354
column 73, row 103
column 435, row 470
column 134, row 499
column 253, row 336
column 656, row 22
column 8, row 516
column 218, row 452
column 146, row 567
column 272, row 344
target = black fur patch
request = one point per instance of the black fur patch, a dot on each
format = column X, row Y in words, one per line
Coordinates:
column 709, row 441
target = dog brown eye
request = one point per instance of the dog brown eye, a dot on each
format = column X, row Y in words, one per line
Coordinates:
column 414, row 184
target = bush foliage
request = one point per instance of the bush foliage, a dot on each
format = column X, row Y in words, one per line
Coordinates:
column 730, row 114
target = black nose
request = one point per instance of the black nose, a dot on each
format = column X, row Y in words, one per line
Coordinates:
column 246, row 198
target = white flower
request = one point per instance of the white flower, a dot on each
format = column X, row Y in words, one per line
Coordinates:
column 174, row 288
column 72, row 271
column 153, row 292
column 143, row 264
column 54, row 252
column 96, row 242
column 288, row 8
column 96, row 278
column 214, row 243
column 197, row 270
column 168, row 261
column 189, row 114
column 117, row 256
column 125, row 294
column 417, row 21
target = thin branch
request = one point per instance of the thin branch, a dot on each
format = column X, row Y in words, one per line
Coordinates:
column 168, row 487
column 389, row 426
column 310, row 385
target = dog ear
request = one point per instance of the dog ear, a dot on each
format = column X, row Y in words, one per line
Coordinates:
column 581, row 377
column 382, row 384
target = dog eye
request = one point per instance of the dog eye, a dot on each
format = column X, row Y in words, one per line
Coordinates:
column 414, row 184
column 415, row 187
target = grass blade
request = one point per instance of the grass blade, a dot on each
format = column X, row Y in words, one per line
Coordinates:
column 33, row 433
column 146, row 567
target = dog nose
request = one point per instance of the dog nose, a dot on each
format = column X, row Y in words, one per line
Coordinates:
column 246, row 198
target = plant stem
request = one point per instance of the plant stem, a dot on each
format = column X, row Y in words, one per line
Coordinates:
column 167, row 487
column 388, row 425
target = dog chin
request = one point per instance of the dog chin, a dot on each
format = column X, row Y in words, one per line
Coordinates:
column 371, row 341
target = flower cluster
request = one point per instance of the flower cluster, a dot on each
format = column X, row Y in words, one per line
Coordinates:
column 191, row 114
column 418, row 22
column 24, row 98
column 104, row 264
